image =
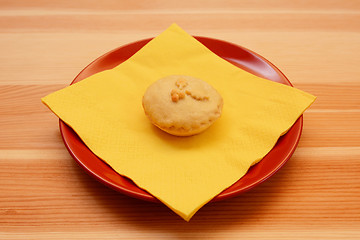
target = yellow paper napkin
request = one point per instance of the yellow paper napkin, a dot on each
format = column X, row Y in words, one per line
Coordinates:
column 184, row 173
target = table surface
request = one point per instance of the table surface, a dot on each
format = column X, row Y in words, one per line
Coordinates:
column 45, row 195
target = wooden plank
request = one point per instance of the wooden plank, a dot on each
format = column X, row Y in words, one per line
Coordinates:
column 60, row 195
column 38, row 58
column 26, row 123
column 188, row 5
column 119, row 21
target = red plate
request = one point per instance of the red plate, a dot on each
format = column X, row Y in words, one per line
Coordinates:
column 240, row 57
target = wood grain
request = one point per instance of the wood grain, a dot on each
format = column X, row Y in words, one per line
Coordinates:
column 45, row 195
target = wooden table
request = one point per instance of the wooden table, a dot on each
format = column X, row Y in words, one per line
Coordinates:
column 45, row 195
